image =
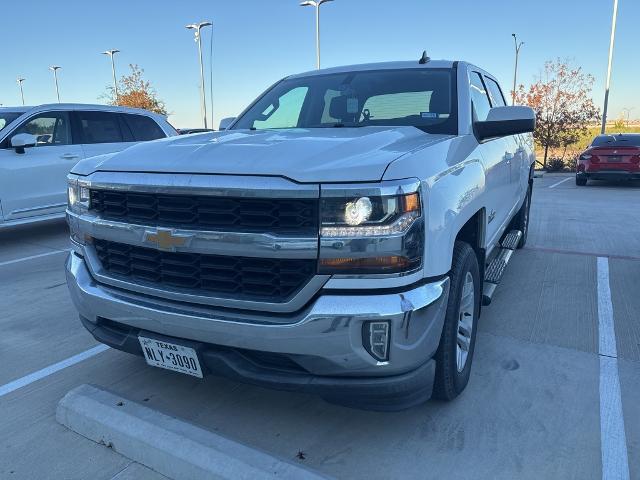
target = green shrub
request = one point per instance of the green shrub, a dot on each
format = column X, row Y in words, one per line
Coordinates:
column 555, row 165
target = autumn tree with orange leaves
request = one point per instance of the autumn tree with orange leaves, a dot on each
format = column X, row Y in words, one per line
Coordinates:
column 135, row 91
column 561, row 98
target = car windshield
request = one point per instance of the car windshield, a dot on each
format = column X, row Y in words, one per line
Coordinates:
column 7, row 117
column 422, row 98
column 616, row 141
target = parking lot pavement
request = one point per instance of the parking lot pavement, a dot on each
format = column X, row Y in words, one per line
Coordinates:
column 532, row 408
column 43, row 240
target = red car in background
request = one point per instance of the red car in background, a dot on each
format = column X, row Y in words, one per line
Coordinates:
column 610, row 157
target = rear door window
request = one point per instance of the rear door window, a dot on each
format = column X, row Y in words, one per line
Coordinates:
column 616, row 141
column 143, row 128
column 100, row 127
column 479, row 98
column 495, row 92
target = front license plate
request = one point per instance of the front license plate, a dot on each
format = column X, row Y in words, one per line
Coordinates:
column 614, row 158
column 170, row 356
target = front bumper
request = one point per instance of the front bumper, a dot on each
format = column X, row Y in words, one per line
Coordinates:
column 318, row 349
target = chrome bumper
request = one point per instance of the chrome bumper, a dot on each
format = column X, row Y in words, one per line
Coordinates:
column 325, row 338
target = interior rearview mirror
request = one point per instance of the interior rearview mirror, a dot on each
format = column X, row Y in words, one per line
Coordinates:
column 226, row 123
column 22, row 141
column 504, row 121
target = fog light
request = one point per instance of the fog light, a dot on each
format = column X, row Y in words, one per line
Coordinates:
column 375, row 337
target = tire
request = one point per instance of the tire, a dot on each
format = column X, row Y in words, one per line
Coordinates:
column 452, row 372
column 521, row 220
column 581, row 181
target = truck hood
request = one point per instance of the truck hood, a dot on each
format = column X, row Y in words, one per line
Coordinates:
column 303, row 155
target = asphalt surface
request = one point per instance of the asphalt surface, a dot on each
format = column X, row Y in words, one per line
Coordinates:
column 532, row 408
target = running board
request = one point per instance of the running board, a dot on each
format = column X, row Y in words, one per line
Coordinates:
column 495, row 270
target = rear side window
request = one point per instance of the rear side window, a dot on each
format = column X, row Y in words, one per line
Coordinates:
column 616, row 141
column 143, row 128
column 100, row 127
column 479, row 98
column 495, row 92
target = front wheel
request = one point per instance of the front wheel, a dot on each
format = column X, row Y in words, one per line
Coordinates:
column 458, row 340
column 581, row 180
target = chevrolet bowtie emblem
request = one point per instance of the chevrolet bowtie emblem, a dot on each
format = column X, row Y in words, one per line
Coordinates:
column 166, row 239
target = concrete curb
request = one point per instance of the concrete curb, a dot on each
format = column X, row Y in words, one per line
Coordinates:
column 167, row 445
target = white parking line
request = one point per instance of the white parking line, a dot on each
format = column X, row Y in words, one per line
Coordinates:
column 613, row 442
column 32, row 257
column 561, row 181
column 51, row 369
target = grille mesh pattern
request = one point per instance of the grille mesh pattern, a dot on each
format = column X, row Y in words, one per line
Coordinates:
column 208, row 212
column 270, row 279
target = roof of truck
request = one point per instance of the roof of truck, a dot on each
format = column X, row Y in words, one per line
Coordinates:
column 378, row 66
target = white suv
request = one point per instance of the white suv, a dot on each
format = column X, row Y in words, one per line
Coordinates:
column 39, row 145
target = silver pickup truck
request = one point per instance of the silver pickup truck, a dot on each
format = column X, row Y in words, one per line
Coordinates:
column 339, row 237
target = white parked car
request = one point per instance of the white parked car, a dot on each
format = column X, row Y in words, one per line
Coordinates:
column 39, row 145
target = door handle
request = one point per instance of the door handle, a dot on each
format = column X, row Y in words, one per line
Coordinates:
column 69, row 156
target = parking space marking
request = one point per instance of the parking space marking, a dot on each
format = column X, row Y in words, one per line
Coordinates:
column 51, row 369
column 561, row 181
column 32, row 257
column 575, row 252
column 613, row 442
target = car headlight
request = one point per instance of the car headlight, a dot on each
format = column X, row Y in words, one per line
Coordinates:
column 77, row 195
column 369, row 216
column 367, row 229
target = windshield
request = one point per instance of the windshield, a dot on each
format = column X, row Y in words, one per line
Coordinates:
column 616, row 141
column 408, row 97
column 7, row 117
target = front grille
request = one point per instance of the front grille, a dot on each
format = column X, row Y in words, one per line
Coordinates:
column 275, row 215
column 260, row 279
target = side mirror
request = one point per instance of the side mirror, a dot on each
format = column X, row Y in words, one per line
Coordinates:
column 22, row 141
column 504, row 121
column 226, row 123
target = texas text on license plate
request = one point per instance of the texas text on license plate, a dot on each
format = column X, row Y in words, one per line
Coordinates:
column 171, row 356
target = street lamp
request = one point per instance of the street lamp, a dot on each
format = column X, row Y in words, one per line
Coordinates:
column 316, row 4
column 54, row 69
column 20, row 80
column 198, row 38
column 111, row 53
column 611, row 43
column 515, row 71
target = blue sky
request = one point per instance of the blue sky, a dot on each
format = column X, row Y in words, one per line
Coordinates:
column 256, row 42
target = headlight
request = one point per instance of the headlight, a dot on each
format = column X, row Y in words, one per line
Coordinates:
column 77, row 195
column 371, row 229
column 369, row 216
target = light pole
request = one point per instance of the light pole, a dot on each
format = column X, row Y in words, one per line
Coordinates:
column 20, row 80
column 111, row 53
column 611, row 43
column 198, row 38
column 515, row 71
column 316, row 4
column 54, row 69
